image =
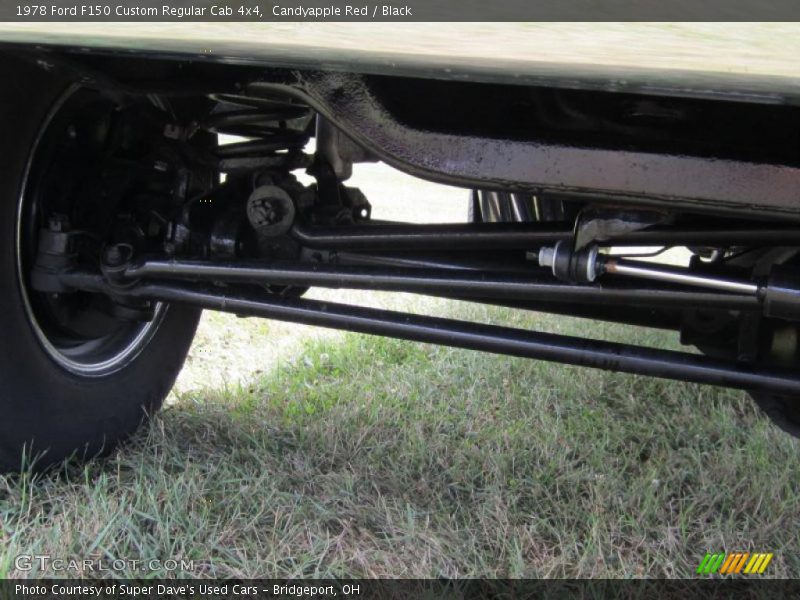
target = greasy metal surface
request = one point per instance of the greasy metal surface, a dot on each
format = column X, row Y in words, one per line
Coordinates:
column 675, row 181
column 473, row 336
column 659, row 179
column 601, row 224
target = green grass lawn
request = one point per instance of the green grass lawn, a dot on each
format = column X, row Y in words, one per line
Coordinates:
column 285, row 451
column 363, row 456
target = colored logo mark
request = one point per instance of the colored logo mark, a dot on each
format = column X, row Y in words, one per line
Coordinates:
column 736, row 562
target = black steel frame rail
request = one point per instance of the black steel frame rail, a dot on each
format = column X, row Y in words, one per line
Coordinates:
column 609, row 356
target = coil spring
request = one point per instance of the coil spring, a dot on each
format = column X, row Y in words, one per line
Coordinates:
column 276, row 131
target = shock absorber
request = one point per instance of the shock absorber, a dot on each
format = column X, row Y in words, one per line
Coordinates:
column 779, row 293
column 587, row 264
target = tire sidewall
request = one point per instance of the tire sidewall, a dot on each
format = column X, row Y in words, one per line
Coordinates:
column 47, row 411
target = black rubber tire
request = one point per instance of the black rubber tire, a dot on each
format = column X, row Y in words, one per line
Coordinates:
column 47, row 412
column 784, row 411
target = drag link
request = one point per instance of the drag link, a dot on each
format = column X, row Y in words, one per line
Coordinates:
column 450, row 282
column 608, row 356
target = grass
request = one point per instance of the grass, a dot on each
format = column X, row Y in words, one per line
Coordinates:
column 287, row 451
column 364, row 456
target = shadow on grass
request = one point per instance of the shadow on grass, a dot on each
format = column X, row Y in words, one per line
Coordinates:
column 374, row 457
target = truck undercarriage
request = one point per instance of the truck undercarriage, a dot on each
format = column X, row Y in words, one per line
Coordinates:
column 158, row 181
